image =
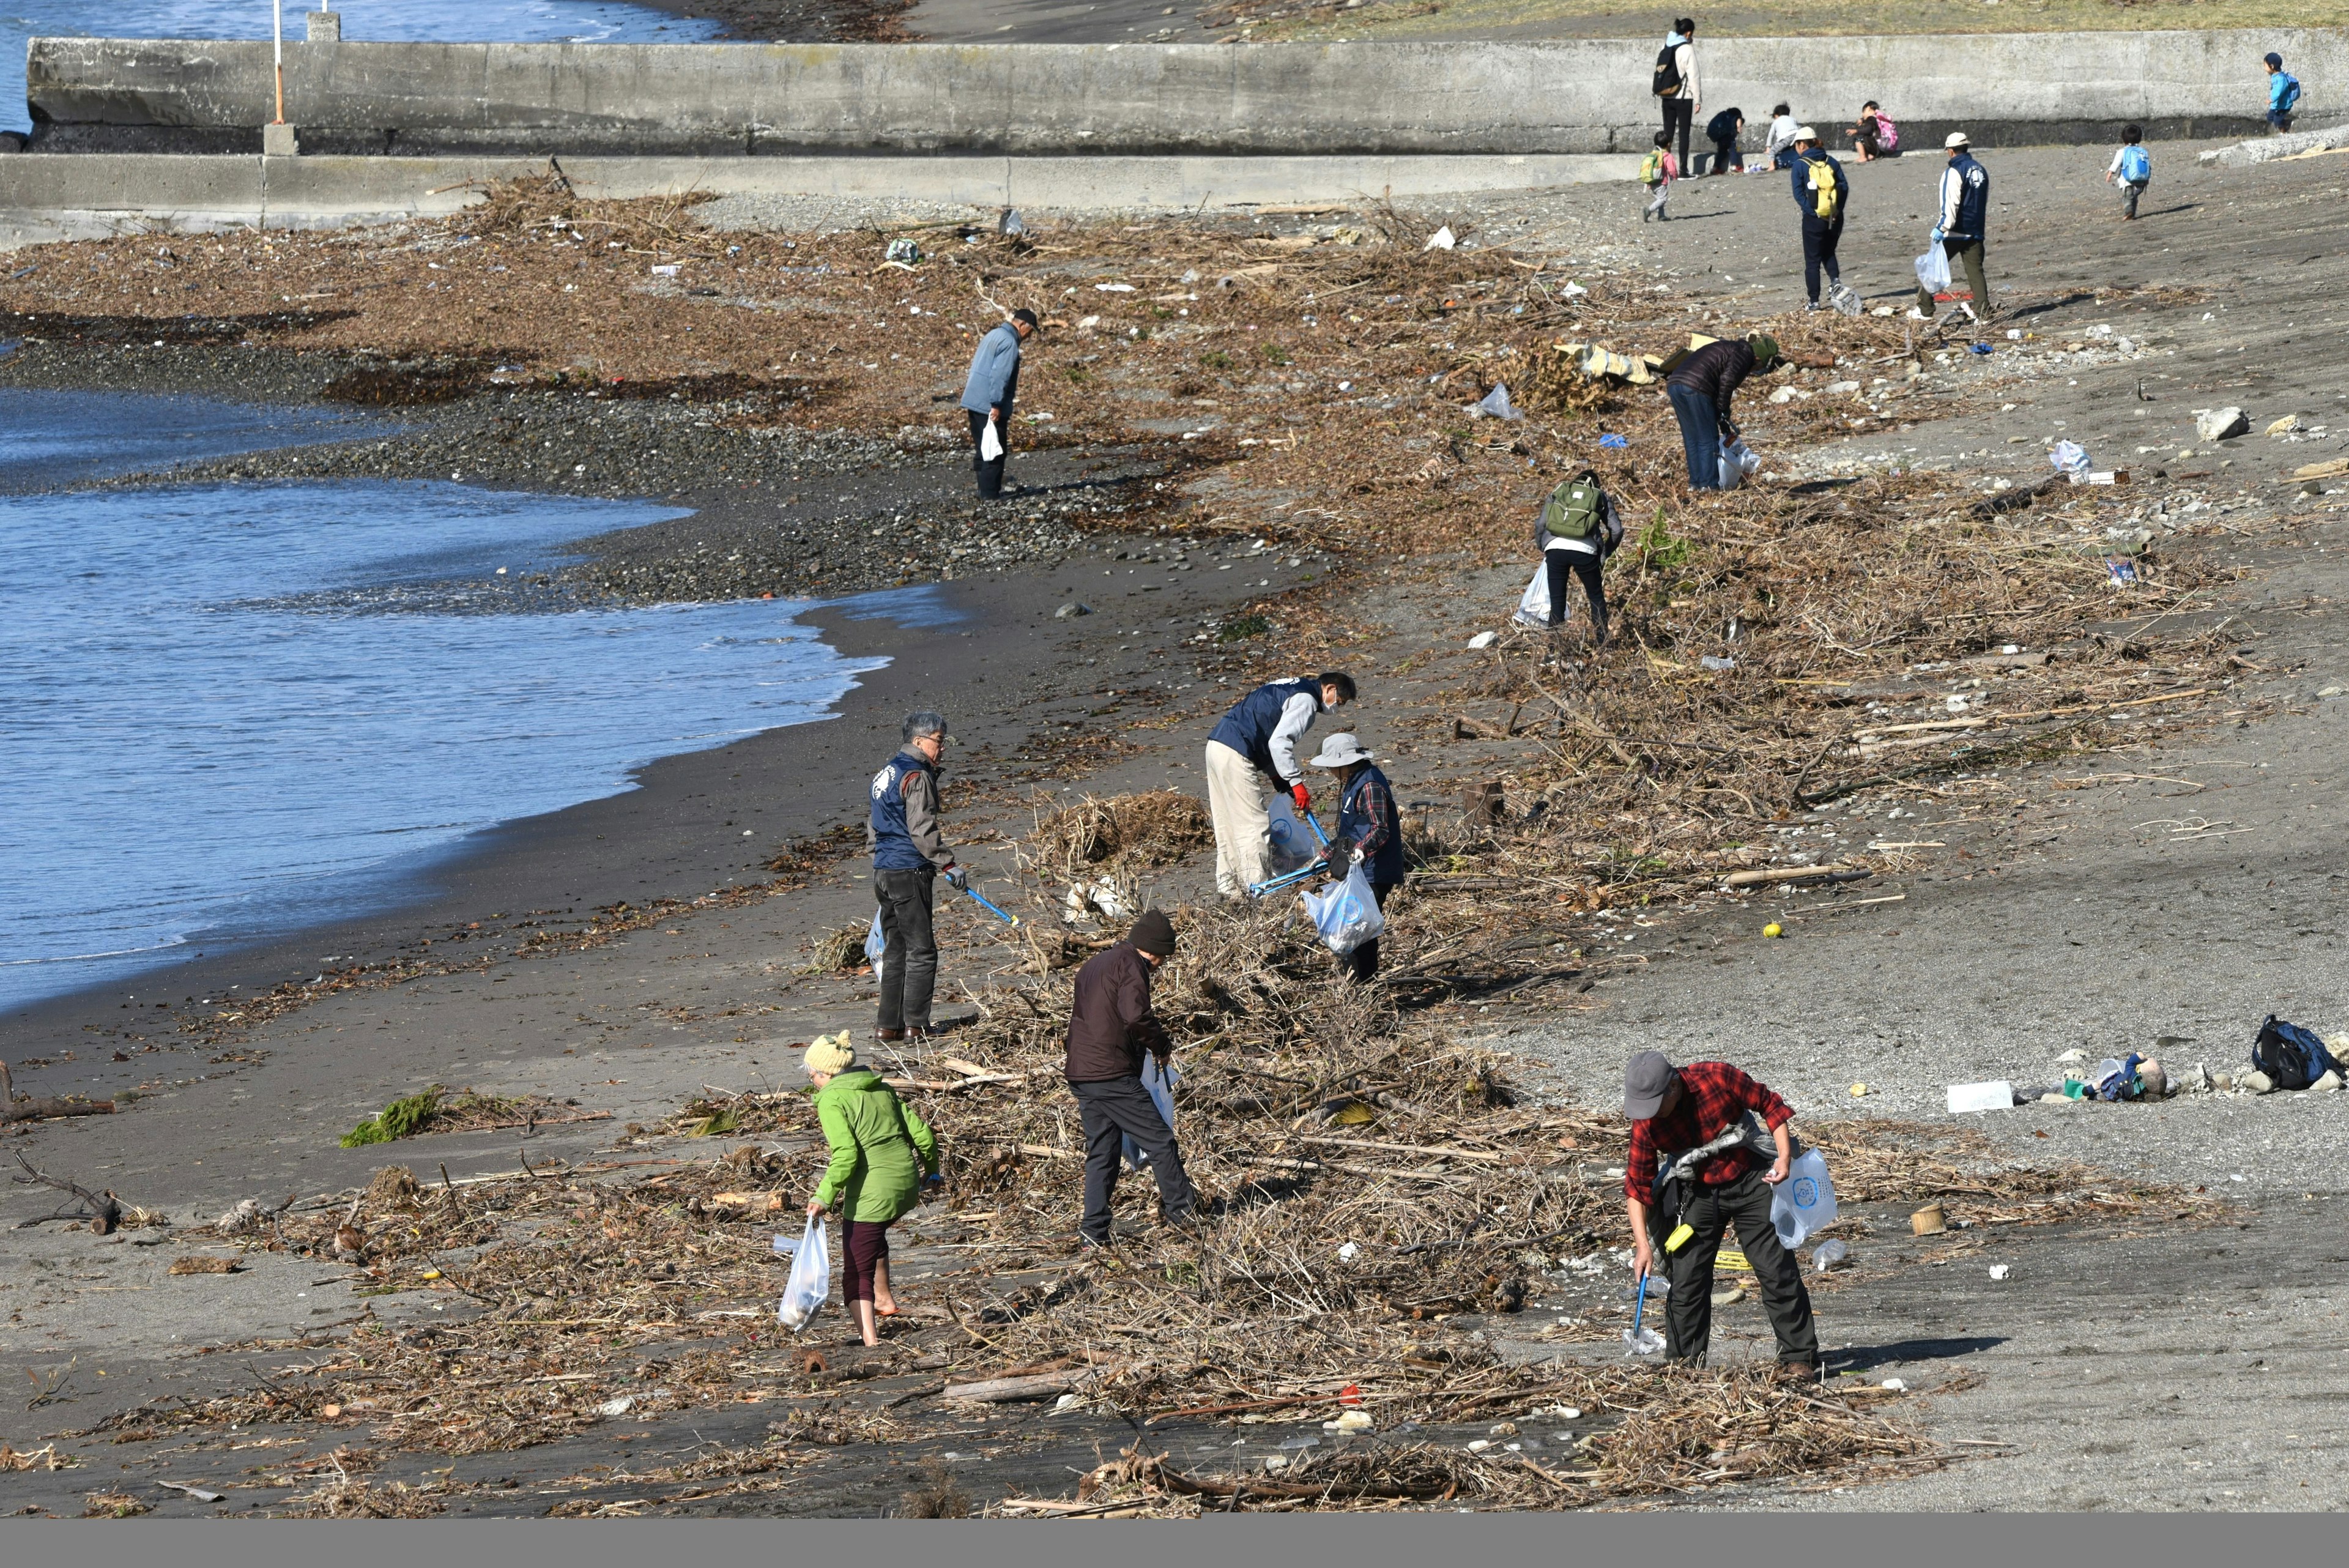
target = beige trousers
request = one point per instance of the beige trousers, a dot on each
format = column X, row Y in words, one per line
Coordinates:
column 1236, row 800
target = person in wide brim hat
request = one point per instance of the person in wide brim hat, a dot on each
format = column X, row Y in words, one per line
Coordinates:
column 1369, row 831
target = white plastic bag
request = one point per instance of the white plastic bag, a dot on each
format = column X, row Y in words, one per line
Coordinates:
column 1293, row 847
column 1736, row 463
column 1804, row 1201
column 990, row 442
column 810, row 1277
column 1933, row 269
column 876, row 948
column 1496, row 404
column 1346, row 914
column 1158, row 1077
column 2070, row 458
column 1533, row 609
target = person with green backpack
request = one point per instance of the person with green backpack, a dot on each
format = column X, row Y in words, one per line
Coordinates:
column 2132, row 171
column 1823, row 191
column 1577, row 529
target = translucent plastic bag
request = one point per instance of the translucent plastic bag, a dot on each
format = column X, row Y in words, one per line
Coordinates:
column 1293, row 847
column 1346, row 914
column 990, row 442
column 810, row 1277
column 1737, row 461
column 877, row 946
column 1158, row 1077
column 1804, row 1201
column 1933, row 269
column 1533, row 609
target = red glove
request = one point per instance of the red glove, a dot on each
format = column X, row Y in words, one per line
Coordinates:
column 1301, row 795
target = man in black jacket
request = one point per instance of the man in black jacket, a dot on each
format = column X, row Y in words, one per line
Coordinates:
column 1700, row 391
column 1110, row 1028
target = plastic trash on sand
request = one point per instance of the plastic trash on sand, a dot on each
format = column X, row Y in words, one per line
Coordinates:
column 1496, row 405
column 1347, row 915
column 1487, row 639
column 1612, row 441
column 1440, row 240
column 1830, row 1253
column 1804, row 1201
column 1933, row 268
column 1998, row 1095
column 810, row 1277
column 2070, row 458
column 1293, row 848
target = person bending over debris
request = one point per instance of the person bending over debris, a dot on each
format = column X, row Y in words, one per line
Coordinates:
column 1672, row 1198
column 1964, row 216
column 1722, row 130
column 1110, row 1027
column 1253, row 744
column 1577, row 530
column 1370, row 829
column 901, row 832
column 881, row 1150
column 1701, row 389
column 988, row 393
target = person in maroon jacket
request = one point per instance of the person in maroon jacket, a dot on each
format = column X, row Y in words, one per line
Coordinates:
column 1679, row 1112
column 1699, row 391
column 1110, row 1027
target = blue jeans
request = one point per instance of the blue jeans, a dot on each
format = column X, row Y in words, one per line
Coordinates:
column 1699, row 436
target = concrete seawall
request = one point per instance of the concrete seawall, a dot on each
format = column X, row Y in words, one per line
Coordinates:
column 1302, row 100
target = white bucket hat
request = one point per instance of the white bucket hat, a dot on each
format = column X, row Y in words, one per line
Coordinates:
column 1340, row 750
column 1807, row 133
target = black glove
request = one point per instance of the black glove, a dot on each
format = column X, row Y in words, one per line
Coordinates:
column 957, row 878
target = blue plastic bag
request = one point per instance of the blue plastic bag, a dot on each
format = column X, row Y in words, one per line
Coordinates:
column 1804, row 1201
column 1293, row 848
column 1346, row 913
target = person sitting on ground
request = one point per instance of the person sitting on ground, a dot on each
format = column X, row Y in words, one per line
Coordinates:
column 1111, row 1027
column 1254, row 746
column 1657, row 173
column 881, row 1150
column 1700, row 391
column 1722, row 130
column 988, row 393
column 1576, row 530
column 2132, row 171
column 1783, row 127
column 1822, row 191
column 2284, row 93
column 1674, row 1112
column 1874, row 137
column 1369, row 831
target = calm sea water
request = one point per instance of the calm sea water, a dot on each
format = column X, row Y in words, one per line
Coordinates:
column 232, row 710
column 449, row 21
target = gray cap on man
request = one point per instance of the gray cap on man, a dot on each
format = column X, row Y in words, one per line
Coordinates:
column 1646, row 1077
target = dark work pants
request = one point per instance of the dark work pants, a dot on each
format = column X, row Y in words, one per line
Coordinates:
column 1557, row 563
column 1363, row 963
column 1819, row 242
column 2130, row 191
column 1712, row 1211
column 1699, row 436
column 1679, row 114
column 867, row 1249
column 910, row 967
column 1725, row 157
column 990, row 470
column 1968, row 256
column 1115, row 1109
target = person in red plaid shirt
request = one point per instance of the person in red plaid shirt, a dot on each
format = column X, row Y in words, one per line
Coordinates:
column 1674, row 1111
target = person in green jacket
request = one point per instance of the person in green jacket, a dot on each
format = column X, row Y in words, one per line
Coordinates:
column 881, row 1150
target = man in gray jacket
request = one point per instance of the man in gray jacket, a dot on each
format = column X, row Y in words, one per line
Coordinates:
column 987, row 397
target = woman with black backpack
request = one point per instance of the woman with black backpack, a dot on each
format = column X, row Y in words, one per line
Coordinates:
column 1676, row 83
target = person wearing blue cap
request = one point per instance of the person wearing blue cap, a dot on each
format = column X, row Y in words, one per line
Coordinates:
column 2284, row 93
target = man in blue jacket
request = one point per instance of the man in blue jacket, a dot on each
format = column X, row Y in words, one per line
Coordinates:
column 1822, row 190
column 1253, row 747
column 986, row 396
column 908, row 856
column 1964, row 213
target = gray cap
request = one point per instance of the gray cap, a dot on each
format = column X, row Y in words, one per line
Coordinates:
column 1340, row 750
column 1645, row 1078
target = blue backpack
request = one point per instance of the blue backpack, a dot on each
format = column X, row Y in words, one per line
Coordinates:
column 2292, row 1056
column 2291, row 94
column 2137, row 164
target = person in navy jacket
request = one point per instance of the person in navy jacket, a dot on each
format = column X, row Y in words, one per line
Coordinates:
column 908, row 856
column 1964, row 215
column 1253, row 748
column 1369, row 831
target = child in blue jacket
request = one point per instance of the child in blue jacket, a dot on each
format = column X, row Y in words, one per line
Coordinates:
column 2132, row 171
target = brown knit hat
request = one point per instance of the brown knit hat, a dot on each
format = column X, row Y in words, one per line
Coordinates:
column 1154, row 933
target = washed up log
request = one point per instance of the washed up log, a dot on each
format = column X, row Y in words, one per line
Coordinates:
column 42, row 1107
column 754, row 1202
column 1792, row 874
column 1865, row 736
column 1042, row 1385
column 1046, row 1151
column 2339, row 466
column 1438, row 882
column 1431, row 1150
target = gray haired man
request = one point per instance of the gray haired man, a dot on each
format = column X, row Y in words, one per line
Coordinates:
column 901, row 831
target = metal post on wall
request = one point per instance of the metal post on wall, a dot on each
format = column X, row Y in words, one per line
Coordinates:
column 278, row 49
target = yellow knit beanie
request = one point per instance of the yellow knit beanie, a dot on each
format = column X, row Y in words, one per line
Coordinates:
column 829, row 1053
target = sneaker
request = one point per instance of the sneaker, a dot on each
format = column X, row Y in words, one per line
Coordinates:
column 1917, row 314
column 1812, row 308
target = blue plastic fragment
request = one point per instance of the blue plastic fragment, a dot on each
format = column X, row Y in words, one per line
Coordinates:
column 1615, row 442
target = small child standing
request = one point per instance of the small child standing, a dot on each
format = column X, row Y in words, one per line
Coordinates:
column 2132, row 171
column 1657, row 173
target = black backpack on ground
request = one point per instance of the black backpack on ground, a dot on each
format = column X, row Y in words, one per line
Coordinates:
column 2292, row 1056
column 1668, row 71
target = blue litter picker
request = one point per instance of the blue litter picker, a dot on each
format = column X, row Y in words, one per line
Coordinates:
column 1303, row 873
